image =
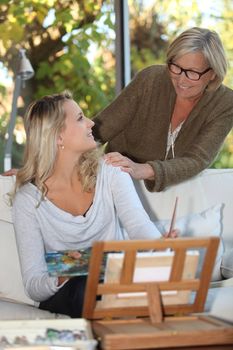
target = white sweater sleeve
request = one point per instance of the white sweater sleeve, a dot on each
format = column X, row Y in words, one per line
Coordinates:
column 129, row 208
column 38, row 284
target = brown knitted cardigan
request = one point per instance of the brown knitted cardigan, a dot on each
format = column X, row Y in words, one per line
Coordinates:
column 136, row 124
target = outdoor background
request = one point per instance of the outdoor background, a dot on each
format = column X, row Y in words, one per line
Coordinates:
column 71, row 46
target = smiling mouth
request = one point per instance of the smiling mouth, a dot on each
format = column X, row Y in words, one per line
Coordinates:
column 183, row 87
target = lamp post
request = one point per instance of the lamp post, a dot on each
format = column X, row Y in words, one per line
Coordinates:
column 24, row 72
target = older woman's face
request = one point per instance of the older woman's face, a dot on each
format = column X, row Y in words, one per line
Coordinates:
column 186, row 88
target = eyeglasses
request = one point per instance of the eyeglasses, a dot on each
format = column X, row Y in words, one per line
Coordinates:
column 190, row 74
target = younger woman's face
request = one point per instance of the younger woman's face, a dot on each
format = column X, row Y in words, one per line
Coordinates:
column 77, row 135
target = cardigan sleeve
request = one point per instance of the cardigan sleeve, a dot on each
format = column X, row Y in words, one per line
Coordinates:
column 196, row 158
column 117, row 115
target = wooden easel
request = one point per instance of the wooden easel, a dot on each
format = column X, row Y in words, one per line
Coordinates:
column 155, row 325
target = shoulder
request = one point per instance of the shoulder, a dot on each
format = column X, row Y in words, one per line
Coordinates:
column 222, row 95
column 110, row 173
column 152, row 71
column 107, row 170
column 152, row 77
column 226, row 94
column 27, row 196
column 220, row 103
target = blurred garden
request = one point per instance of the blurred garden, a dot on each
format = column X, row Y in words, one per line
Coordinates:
column 71, row 45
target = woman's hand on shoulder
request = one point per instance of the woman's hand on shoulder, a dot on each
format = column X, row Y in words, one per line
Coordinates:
column 136, row 170
column 10, row 172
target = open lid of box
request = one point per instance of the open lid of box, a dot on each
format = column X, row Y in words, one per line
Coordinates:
column 121, row 293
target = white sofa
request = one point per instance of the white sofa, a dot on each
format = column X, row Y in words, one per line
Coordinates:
column 14, row 303
column 210, row 193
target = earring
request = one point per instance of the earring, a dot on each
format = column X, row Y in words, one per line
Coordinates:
column 62, row 146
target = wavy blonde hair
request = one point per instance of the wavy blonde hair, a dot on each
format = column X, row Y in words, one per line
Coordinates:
column 43, row 122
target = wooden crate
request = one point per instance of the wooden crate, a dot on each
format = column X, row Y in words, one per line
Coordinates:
column 156, row 325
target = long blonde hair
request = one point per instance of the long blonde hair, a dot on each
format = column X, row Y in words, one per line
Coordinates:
column 43, row 122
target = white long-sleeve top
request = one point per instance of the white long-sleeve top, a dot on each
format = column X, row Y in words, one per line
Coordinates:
column 46, row 227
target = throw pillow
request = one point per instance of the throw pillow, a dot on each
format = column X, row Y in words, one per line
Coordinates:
column 227, row 264
column 11, row 284
column 206, row 223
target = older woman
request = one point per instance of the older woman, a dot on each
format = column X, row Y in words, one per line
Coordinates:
column 169, row 123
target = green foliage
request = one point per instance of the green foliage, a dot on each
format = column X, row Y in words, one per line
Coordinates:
column 225, row 157
column 74, row 72
column 59, row 38
column 3, row 124
column 66, row 42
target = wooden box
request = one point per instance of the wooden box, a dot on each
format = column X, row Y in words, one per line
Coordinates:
column 47, row 334
column 156, row 324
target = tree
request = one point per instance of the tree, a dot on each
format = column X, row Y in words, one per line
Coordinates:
column 57, row 36
column 68, row 47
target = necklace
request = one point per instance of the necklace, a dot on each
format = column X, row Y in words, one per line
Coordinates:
column 171, row 138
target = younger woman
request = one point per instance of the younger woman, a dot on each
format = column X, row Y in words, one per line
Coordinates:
column 66, row 198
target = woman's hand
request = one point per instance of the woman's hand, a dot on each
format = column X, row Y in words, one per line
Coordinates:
column 10, row 172
column 61, row 280
column 74, row 254
column 173, row 234
column 136, row 170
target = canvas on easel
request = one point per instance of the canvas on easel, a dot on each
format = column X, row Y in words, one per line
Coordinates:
column 149, row 267
column 133, row 326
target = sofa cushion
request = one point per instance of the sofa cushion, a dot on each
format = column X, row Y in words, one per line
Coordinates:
column 222, row 304
column 16, row 311
column 227, row 264
column 6, row 185
column 211, row 187
column 206, row 223
column 11, row 284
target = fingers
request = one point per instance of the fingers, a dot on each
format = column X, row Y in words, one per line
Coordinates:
column 112, row 155
column 10, row 172
column 127, row 170
column 165, row 235
column 173, row 234
column 136, row 170
column 74, row 254
column 117, row 159
column 61, row 280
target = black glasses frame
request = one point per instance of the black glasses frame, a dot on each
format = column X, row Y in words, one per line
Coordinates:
column 187, row 70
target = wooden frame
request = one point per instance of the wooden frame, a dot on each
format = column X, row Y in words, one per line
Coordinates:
column 155, row 325
column 149, row 266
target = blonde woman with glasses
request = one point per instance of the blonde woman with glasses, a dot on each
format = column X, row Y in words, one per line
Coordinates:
column 169, row 123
